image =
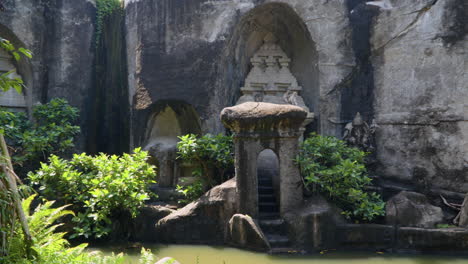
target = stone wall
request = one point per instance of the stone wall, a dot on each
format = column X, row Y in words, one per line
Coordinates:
column 60, row 35
column 420, row 55
column 401, row 62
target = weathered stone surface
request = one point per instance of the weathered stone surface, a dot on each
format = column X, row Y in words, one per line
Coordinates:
column 313, row 225
column 61, row 39
column 432, row 240
column 263, row 117
column 167, row 260
column 143, row 228
column 244, row 232
column 462, row 217
column 412, row 209
column 198, row 51
column 419, row 56
column 365, row 236
column 202, row 221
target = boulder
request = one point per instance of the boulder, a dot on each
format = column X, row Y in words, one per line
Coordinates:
column 244, row 232
column 202, row 221
column 143, row 225
column 412, row 209
column 167, row 260
column 313, row 226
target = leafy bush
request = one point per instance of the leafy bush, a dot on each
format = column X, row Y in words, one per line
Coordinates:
column 192, row 191
column 52, row 131
column 6, row 82
column 213, row 154
column 99, row 187
column 51, row 247
column 339, row 172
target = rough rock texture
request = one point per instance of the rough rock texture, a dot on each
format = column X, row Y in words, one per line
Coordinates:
column 60, row 35
column 263, row 117
column 202, row 221
column 412, row 209
column 244, row 232
column 419, row 53
column 198, row 51
column 143, row 228
column 432, row 240
column 313, row 225
column 402, row 63
column 462, row 220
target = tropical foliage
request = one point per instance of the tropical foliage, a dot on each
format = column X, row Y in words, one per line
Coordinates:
column 99, row 187
column 213, row 155
column 50, row 246
column 52, row 131
column 338, row 171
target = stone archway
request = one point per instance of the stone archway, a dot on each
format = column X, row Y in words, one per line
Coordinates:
column 170, row 119
column 268, row 182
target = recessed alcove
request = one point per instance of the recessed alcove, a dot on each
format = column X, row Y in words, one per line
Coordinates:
column 268, row 181
column 292, row 36
column 20, row 69
column 169, row 120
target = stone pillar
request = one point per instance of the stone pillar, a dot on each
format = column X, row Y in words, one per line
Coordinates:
column 290, row 176
column 246, row 166
column 260, row 126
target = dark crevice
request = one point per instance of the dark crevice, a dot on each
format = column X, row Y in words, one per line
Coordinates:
column 357, row 89
column 109, row 127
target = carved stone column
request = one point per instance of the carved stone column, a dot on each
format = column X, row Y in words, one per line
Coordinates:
column 260, row 126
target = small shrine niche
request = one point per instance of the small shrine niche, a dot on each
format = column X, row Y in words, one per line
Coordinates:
column 11, row 98
column 270, row 79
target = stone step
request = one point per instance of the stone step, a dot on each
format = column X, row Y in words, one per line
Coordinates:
column 273, row 226
column 268, row 207
column 265, row 182
column 267, row 198
column 265, row 190
column 277, row 241
column 269, row 215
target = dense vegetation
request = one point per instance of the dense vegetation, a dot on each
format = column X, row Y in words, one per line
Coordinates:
column 52, row 131
column 50, row 246
column 213, row 158
column 100, row 188
column 338, row 171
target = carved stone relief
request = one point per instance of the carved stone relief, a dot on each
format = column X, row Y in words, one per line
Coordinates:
column 270, row 79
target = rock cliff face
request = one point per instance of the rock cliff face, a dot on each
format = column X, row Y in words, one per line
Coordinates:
column 60, row 34
column 419, row 52
column 400, row 62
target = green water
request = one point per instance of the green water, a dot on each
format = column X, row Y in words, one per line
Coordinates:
column 221, row 255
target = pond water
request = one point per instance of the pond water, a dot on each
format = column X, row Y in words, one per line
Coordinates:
column 221, row 255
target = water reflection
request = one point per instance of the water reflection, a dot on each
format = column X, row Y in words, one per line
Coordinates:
column 189, row 254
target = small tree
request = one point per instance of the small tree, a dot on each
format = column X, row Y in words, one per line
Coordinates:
column 10, row 201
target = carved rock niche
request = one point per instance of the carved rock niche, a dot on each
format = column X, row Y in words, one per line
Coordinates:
column 270, row 79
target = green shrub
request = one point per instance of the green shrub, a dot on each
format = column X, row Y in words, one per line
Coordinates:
column 50, row 247
column 52, row 131
column 212, row 154
column 338, row 171
column 99, row 187
column 191, row 191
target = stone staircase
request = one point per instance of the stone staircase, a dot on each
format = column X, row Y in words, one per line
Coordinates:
column 270, row 221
